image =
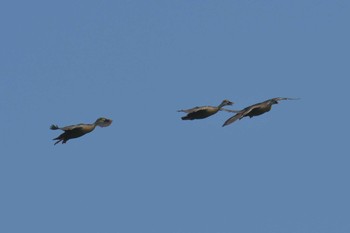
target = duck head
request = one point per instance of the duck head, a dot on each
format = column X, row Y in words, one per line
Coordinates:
column 226, row 102
column 103, row 122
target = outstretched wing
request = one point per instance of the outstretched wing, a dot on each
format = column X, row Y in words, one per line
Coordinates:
column 233, row 119
column 229, row 110
column 195, row 109
column 73, row 127
column 240, row 114
column 283, row 98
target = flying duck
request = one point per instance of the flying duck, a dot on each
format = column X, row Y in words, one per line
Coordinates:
column 204, row 111
column 255, row 110
column 75, row 131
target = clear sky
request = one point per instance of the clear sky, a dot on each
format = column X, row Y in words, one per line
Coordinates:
column 138, row 62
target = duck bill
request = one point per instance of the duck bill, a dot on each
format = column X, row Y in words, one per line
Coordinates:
column 107, row 122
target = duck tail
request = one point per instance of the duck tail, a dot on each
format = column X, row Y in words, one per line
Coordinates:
column 54, row 127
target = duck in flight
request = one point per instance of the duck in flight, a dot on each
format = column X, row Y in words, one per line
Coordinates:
column 204, row 111
column 255, row 110
column 75, row 131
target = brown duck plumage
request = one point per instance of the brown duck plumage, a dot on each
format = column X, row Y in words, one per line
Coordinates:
column 204, row 111
column 255, row 110
column 75, row 131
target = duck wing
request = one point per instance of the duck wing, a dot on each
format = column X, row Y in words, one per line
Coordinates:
column 195, row 109
column 242, row 113
column 229, row 110
column 284, row 98
column 73, row 127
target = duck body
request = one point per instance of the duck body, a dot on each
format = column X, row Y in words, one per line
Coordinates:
column 75, row 131
column 255, row 110
column 203, row 111
column 258, row 110
column 200, row 113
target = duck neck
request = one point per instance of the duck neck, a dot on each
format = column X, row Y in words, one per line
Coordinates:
column 93, row 126
column 221, row 105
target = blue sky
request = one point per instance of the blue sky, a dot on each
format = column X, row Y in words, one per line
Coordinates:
column 137, row 62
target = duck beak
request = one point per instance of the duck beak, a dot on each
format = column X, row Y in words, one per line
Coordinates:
column 107, row 122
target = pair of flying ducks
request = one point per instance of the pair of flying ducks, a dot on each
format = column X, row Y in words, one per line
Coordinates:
column 75, row 131
column 251, row 111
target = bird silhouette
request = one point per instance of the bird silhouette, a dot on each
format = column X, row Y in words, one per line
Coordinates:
column 204, row 111
column 256, row 109
column 75, row 131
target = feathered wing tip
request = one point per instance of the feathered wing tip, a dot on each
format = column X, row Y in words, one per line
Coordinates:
column 286, row 98
column 229, row 110
column 232, row 119
column 54, row 127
